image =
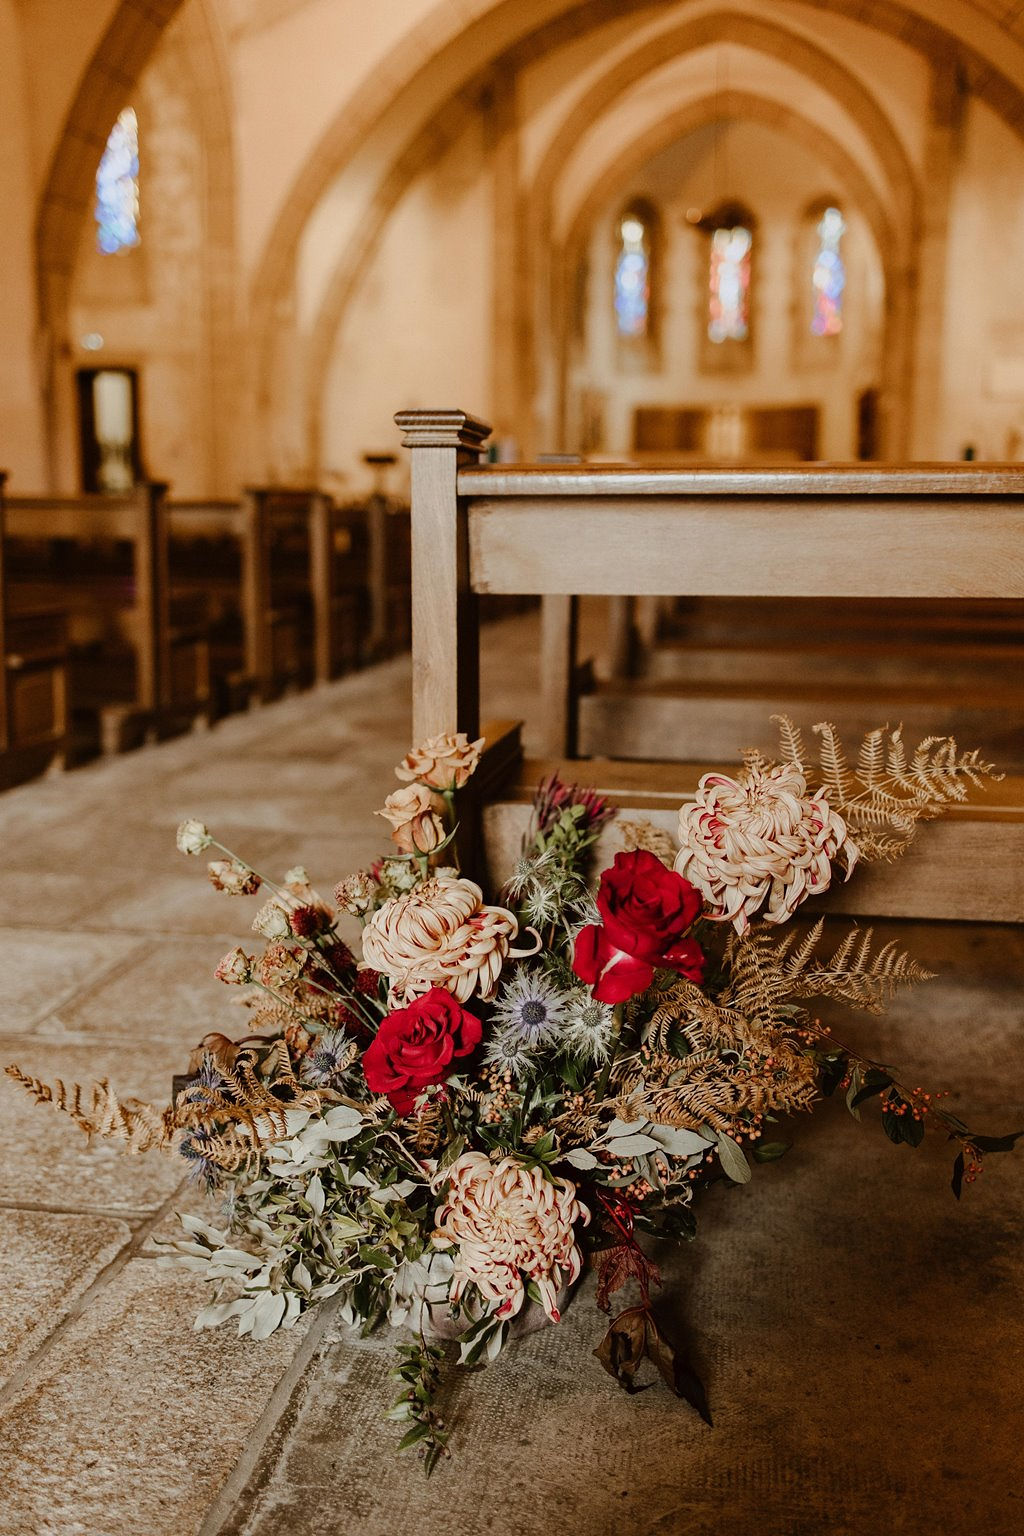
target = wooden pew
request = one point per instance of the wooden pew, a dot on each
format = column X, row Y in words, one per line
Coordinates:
column 219, row 553
column 289, row 577
column 951, row 534
column 33, row 683
column 139, row 666
column 703, row 682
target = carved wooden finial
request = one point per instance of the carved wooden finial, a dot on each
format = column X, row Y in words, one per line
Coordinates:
column 442, row 429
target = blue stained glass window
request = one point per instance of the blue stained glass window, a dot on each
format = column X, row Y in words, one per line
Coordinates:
column 633, row 277
column 117, row 186
column 829, row 276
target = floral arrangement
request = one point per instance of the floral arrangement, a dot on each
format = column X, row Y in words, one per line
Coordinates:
column 440, row 1128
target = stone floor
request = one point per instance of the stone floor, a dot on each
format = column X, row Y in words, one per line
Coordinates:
column 859, row 1332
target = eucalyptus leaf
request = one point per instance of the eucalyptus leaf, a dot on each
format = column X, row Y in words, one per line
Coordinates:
column 580, row 1158
column 632, row 1146
column 267, row 1315
column 315, row 1195
column 679, row 1143
column 733, row 1160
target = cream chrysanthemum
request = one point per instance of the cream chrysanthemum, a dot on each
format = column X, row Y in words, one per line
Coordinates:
column 439, row 935
column 509, row 1224
column 760, row 842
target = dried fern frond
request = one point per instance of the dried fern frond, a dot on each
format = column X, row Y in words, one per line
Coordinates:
column 643, row 834
column 253, row 1093
column 865, row 980
column 99, row 1112
column 883, row 800
column 767, row 973
column 791, row 742
column 757, row 987
column 708, row 1090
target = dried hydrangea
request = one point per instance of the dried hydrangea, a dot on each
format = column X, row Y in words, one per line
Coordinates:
column 193, row 837
column 233, row 877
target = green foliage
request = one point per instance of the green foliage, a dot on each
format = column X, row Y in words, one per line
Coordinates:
column 419, row 1373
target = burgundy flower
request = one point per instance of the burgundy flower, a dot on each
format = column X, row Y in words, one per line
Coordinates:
column 416, row 1047
column 646, row 913
column 308, row 921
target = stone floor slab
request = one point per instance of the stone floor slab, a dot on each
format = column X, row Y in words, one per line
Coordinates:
column 135, row 1420
column 167, row 990
column 44, row 969
column 50, row 1260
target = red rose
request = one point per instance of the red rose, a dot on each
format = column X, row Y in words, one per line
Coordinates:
column 415, row 1047
column 646, row 911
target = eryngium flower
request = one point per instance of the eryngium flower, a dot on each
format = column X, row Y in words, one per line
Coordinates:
column 505, row 1221
column 760, row 841
column 443, row 762
column 327, row 1057
column 588, row 1028
column 530, row 1010
column 439, row 935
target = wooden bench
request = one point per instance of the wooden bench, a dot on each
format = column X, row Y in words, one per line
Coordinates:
column 951, row 534
column 139, row 665
column 284, row 573
column 33, row 683
column 698, row 682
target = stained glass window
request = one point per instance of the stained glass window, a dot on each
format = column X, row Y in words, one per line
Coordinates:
column 117, row 186
column 633, row 277
column 829, row 276
column 729, row 282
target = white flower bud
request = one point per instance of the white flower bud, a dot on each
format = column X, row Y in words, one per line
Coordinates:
column 193, row 836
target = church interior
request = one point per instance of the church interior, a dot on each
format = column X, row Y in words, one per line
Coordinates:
column 704, row 324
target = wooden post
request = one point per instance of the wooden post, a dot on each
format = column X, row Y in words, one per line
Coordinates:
column 4, row 724
column 558, row 616
column 621, row 619
column 153, row 690
column 321, row 582
column 445, row 624
column 256, row 592
column 379, row 557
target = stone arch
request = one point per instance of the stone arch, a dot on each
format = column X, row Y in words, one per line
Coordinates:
column 447, row 55
column 897, row 231
column 745, row 105
column 532, row 221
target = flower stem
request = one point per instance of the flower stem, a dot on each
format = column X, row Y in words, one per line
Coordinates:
column 613, row 1050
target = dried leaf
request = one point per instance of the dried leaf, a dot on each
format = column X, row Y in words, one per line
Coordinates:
column 624, row 1347
column 623, row 1262
column 676, row 1371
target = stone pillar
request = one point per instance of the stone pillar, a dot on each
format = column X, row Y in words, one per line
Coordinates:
column 506, row 306
column 942, row 147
